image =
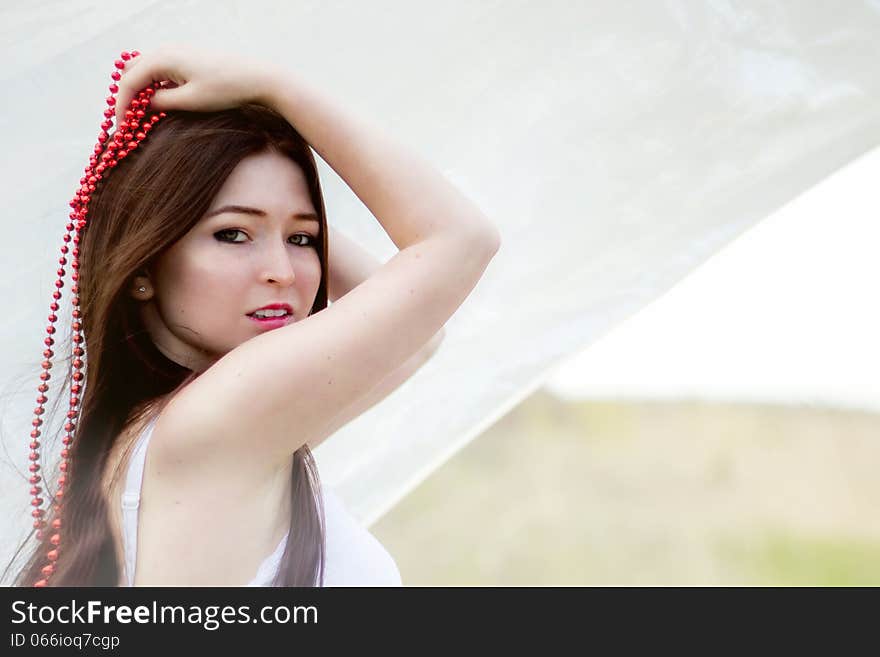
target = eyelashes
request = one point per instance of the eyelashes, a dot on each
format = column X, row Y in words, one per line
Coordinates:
column 311, row 239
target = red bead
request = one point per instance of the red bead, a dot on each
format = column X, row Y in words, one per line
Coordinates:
column 63, row 467
column 60, row 494
column 37, row 501
column 35, row 479
column 119, row 64
column 35, row 444
column 116, row 75
column 33, row 456
column 55, row 540
column 135, row 53
column 35, row 490
column 125, row 55
column 48, row 570
column 61, row 481
column 52, row 555
column 36, row 513
column 41, row 583
column 33, row 467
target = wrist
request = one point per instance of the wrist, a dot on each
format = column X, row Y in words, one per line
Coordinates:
column 269, row 79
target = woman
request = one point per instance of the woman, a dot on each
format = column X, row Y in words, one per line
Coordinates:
column 192, row 458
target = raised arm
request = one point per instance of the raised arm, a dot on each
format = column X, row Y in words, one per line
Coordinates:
column 410, row 198
column 350, row 265
column 293, row 385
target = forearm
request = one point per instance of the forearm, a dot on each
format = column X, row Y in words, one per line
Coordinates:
column 411, row 200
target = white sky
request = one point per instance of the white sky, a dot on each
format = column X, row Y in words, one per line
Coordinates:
column 788, row 312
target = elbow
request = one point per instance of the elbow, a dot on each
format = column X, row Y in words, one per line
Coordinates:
column 490, row 236
column 495, row 240
column 493, row 236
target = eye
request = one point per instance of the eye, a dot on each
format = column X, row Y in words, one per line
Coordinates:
column 310, row 239
column 221, row 236
column 226, row 232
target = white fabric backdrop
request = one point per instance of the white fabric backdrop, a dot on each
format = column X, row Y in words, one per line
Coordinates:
column 617, row 145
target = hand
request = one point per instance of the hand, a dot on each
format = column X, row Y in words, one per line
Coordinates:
column 192, row 79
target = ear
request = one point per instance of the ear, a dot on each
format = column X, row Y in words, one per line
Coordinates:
column 141, row 289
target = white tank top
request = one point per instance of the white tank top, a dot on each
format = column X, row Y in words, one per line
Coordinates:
column 354, row 557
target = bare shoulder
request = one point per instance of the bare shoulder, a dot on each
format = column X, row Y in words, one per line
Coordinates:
column 287, row 387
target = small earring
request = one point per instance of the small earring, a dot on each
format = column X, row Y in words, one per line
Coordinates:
column 142, row 289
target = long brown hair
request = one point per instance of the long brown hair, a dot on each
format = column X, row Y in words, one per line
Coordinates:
column 147, row 203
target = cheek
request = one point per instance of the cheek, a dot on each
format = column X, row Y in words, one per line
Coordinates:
column 308, row 271
column 193, row 279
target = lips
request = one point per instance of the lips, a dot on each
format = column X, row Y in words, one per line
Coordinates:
column 272, row 322
column 274, row 306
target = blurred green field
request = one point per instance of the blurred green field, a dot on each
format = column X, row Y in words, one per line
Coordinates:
column 649, row 493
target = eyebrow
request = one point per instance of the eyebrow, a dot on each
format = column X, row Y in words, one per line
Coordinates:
column 256, row 212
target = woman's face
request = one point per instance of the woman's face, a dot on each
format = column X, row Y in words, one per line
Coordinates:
column 232, row 263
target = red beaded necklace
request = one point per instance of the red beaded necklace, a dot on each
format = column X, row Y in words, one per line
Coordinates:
column 125, row 140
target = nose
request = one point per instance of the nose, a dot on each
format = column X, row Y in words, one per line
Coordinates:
column 278, row 266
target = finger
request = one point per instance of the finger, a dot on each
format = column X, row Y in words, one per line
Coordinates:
column 125, row 94
column 149, row 68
